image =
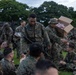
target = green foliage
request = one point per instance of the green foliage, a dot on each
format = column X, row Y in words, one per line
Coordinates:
column 65, row 73
column 12, row 10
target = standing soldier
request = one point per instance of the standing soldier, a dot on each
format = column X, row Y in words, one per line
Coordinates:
column 17, row 37
column 7, row 32
column 35, row 32
column 56, row 48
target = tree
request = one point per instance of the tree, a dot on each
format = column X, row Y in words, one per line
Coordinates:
column 13, row 10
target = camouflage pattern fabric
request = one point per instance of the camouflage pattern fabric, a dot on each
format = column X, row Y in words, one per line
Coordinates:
column 17, row 40
column 27, row 66
column 56, row 53
column 35, row 33
column 8, row 67
column 7, row 34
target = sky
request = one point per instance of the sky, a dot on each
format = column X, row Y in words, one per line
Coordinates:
column 37, row 3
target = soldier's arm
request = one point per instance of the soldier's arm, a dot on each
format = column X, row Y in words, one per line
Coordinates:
column 53, row 36
column 46, row 37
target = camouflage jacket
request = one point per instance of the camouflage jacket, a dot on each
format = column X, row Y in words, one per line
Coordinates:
column 37, row 33
column 8, row 67
column 19, row 29
column 8, row 32
column 27, row 66
column 52, row 34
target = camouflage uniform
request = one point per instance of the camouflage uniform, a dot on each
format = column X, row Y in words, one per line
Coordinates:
column 7, row 33
column 35, row 33
column 56, row 53
column 27, row 66
column 8, row 67
column 17, row 40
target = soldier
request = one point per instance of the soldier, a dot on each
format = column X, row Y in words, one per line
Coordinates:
column 17, row 37
column 56, row 41
column 69, row 63
column 8, row 66
column 27, row 66
column 35, row 32
column 7, row 32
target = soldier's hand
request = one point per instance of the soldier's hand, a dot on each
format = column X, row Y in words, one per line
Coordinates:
column 64, row 41
column 62, row 62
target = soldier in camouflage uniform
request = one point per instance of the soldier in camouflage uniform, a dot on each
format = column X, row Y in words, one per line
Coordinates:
column 27, row 66
column 17, row 37
column 7, row 64
column 56, row 41
column 35, row 32
column 69, row 63
column 7, row 33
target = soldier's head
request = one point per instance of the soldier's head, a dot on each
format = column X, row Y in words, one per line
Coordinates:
column 23, row 23
column 53, row 22
column 8, row 53
column 35, row 50
column 32, row 19
column 70, row 46
column 45, row 67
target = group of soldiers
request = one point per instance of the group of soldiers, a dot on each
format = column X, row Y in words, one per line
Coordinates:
column 35, row 32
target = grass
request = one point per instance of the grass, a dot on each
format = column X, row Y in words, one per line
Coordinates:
column 16, row 61
column 65, row 73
